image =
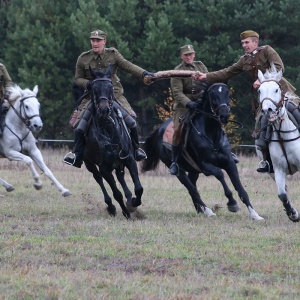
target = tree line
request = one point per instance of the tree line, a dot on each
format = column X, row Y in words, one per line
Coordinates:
column 41, row 40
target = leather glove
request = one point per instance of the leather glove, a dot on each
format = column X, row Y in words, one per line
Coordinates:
column 146, row 73
column 89, row 85
column 192, row 105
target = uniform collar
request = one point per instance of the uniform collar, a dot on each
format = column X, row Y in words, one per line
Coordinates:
column 189, row 65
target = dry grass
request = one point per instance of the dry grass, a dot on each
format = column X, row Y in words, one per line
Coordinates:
column 69, row 248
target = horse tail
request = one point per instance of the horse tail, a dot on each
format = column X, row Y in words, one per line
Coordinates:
column 151, row 148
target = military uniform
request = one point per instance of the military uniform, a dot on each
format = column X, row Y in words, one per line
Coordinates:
column 5, row 81
column 259, row 59
column 100, row 63
column 184, row 89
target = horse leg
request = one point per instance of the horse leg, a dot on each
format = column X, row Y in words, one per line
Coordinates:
column 36, row 155
column 17, row 156
column 97, row 176
column 192, row 189
column 121, row 178
column 116, row 193
column 193, row 176
column 291, row 212
column 8, row 186
column 138, row 188
column 233, row 174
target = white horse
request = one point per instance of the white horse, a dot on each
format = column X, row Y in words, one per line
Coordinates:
column 23, row 118
column 284, row 145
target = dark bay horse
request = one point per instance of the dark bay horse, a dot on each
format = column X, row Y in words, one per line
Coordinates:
column 108, row 147
column 206, row 148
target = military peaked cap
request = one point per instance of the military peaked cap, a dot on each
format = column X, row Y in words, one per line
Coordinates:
column 248, row 33
column 98, row 34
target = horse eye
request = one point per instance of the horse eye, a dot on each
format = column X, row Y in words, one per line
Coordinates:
column 269, row 109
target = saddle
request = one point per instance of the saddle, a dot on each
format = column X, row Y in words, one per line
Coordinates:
column 181, row 135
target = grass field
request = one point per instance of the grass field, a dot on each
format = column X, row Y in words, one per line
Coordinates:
column 70, row 248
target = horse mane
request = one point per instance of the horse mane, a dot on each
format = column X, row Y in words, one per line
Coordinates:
column 16, row 92
column 271, row 74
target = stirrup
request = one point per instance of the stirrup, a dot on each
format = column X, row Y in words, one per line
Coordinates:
column 263, row 167
column 174, row 169
column 68, row 157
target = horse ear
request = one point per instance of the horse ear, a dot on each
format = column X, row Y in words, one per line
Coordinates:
column 36, row 89
column 260, row 76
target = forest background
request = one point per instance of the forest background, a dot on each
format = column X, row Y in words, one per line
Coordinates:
column 41, row 40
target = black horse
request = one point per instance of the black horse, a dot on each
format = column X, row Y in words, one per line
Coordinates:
column 108, row 147
column 205, row 149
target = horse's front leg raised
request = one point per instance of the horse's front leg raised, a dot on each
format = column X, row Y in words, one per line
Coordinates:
column 17, row 156
column 36, row 155
column 280, row 179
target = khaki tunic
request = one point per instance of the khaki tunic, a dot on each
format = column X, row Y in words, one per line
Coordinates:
column 184, row 90
column 263, row 56
column 5, row 80
column 110, row 56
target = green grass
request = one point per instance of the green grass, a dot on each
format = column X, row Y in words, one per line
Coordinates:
column 70, row 248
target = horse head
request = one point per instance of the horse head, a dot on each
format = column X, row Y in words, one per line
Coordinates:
column 25, row 105
column 271, row 96
column 102, row 92
column 218, row 102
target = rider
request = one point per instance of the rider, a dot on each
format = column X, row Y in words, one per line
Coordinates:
column 255, row 58
column 5, row 82
column 185, row 92
column 99, row 58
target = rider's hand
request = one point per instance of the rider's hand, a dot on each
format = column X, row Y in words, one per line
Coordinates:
column 256, row 84
column 146, row 73
column 199, row 76
column 192, row 105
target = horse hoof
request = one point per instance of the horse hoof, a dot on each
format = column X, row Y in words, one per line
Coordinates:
column 112, row 211
column 10, row 188
column 129, row 206
column 126, row 215
column 294, row 216
column 66, row 193
column 233, row 208
column 38, row 186
column 136, row 202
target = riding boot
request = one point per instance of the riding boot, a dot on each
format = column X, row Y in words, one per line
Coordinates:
column 139, row 154
column 266, row 165
column 174, row 168
column 75, row 158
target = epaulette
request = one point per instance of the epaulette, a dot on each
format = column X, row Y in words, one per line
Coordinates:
column 85, row 53
column 177, row 67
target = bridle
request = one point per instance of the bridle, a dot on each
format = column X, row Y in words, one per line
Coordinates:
column 26, row 119
column 216, row 110
column 279, row 104
column 109, row 99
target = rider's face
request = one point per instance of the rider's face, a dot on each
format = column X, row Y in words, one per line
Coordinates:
column 188, row 58
column 249, row 44
column 97, row 45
